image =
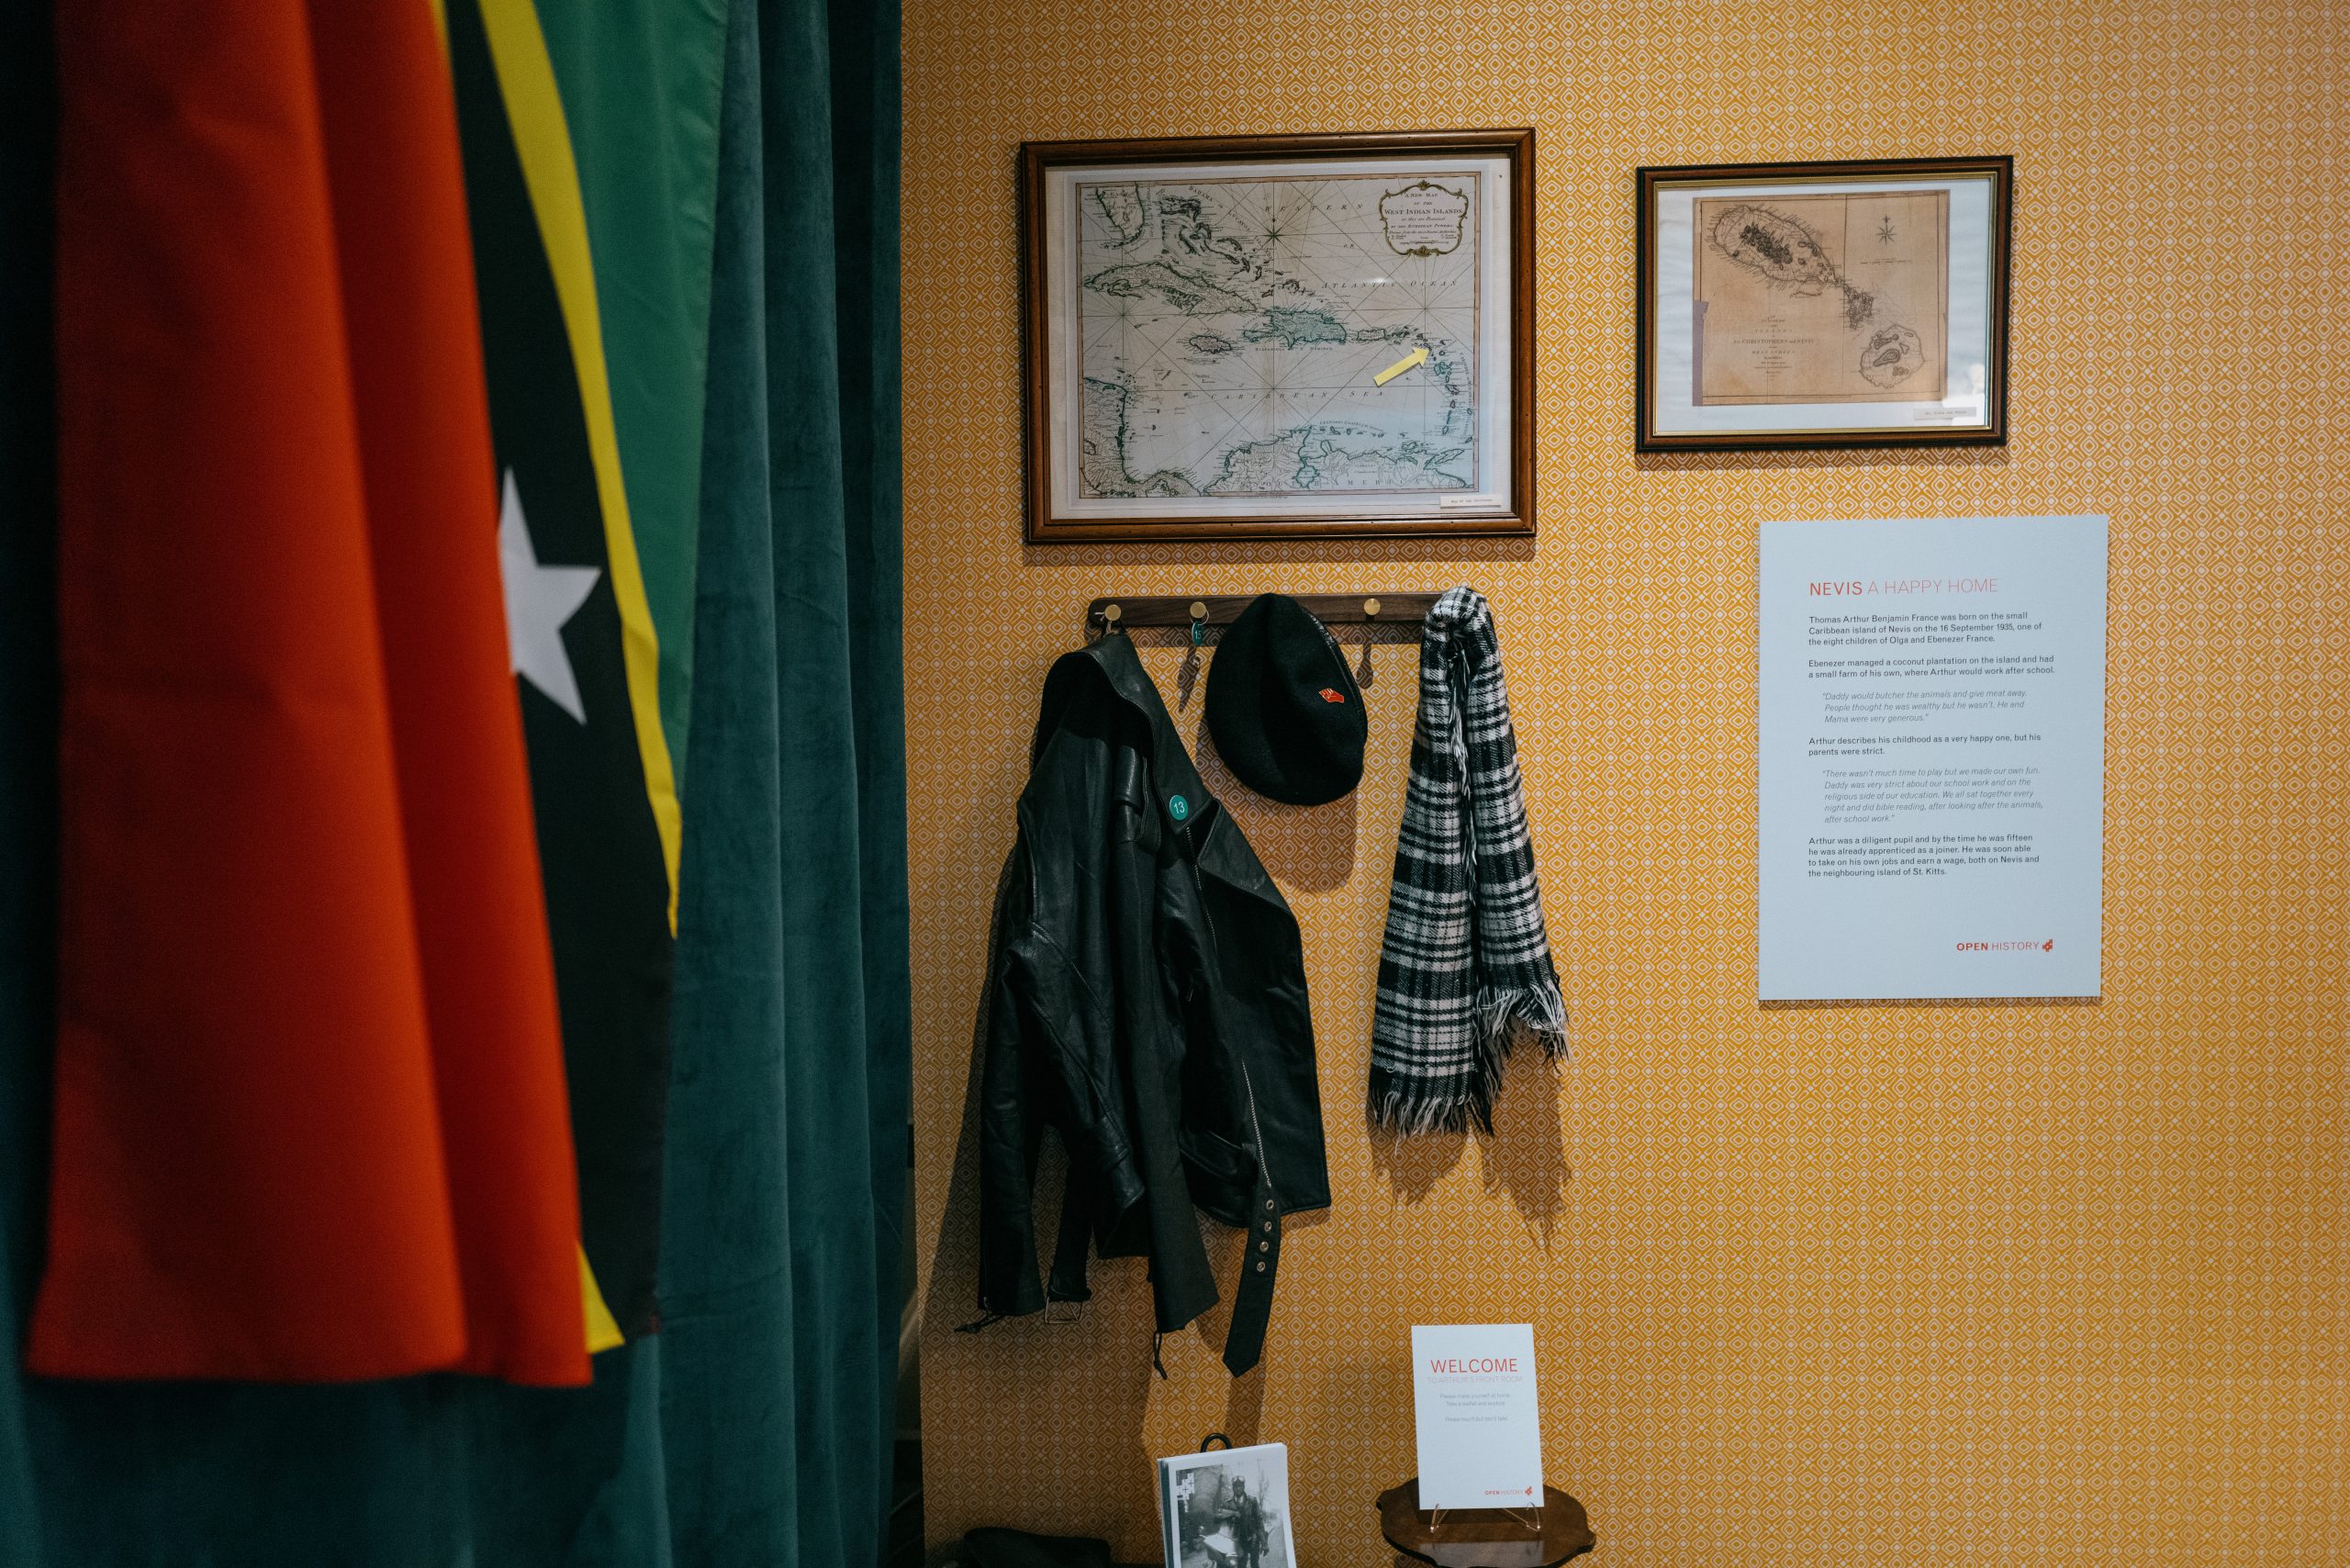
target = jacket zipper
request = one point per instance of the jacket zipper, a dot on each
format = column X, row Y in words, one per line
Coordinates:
column 1247, row 1084
column 1264, row 1166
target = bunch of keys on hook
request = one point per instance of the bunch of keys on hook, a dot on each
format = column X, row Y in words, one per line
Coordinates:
column 1187, row 675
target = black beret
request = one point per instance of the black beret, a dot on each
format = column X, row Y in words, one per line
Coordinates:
column 1284, row 707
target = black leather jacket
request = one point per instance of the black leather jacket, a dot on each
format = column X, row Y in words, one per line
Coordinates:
column 1147, row 1001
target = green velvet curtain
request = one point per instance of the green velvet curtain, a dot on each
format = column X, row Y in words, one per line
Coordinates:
column 756, row 1429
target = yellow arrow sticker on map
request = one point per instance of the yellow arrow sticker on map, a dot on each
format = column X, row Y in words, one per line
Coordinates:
column 1417, row 356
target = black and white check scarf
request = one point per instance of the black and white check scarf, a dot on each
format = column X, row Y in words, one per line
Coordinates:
column 1466, row 966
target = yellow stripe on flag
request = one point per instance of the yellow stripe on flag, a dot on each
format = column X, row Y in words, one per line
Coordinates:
column 517, row 52
column 542, row 139
column 603, row 1333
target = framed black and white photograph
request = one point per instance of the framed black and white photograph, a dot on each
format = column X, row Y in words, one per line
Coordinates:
column 1228, row 1508
column 1861, row 302
column 1271, row 337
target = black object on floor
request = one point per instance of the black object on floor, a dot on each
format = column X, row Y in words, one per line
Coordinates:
column 991, row 1547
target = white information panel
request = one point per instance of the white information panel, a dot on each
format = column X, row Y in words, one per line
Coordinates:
column 1479, row 1416
column 1932, row 739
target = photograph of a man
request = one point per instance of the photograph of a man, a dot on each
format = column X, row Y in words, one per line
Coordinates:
column 1245, row 1522
column 1229, row 1509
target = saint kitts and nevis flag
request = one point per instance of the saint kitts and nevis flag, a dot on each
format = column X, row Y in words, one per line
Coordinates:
column 381, row 337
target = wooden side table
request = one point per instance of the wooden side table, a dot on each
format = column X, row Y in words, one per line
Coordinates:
column 1486, row 1538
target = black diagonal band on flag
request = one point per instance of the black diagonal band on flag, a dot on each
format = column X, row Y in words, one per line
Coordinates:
column 600, row 848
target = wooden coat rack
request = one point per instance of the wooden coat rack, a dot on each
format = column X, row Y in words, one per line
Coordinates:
column 1121, row 613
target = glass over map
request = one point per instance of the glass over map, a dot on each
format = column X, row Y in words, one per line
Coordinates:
column 1278, row 336
column 1836, row 299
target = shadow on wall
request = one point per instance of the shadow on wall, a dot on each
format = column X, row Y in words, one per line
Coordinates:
column 1309, row 847
column 1086, row 1381
column 1526, row 1157
column 1523, row 1159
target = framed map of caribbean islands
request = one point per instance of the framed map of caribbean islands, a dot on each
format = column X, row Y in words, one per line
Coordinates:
column 1809, row 305
column 1273, row 337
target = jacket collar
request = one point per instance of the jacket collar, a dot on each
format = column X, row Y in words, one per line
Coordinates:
column 1225, row 853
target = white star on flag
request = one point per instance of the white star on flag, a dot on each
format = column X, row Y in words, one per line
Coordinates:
column 539, row 601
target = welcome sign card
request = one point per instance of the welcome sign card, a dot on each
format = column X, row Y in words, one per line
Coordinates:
column 1480, row 1419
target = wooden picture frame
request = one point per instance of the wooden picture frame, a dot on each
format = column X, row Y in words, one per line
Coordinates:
column 1279, row 337
column 1846, row 304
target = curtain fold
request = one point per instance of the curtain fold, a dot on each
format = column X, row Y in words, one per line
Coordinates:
column 27, row 722
column 755, row 1427
column 866, row 155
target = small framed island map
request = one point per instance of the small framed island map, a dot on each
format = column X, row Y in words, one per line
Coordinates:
column 1279, row 336
column 1807, row 304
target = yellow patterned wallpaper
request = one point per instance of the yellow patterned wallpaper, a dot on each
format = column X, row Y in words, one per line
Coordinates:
column 1828, row 1285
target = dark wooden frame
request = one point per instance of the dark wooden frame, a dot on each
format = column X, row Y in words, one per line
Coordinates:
column 1648, row 181
column 1039, row 157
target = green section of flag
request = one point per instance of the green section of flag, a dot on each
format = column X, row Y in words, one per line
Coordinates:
column 640, row 82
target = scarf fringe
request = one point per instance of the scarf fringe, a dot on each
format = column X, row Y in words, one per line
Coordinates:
column 1538, row 1013
column 1410, row 1106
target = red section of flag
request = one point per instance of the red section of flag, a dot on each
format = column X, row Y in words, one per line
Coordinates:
column 311, row 1121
